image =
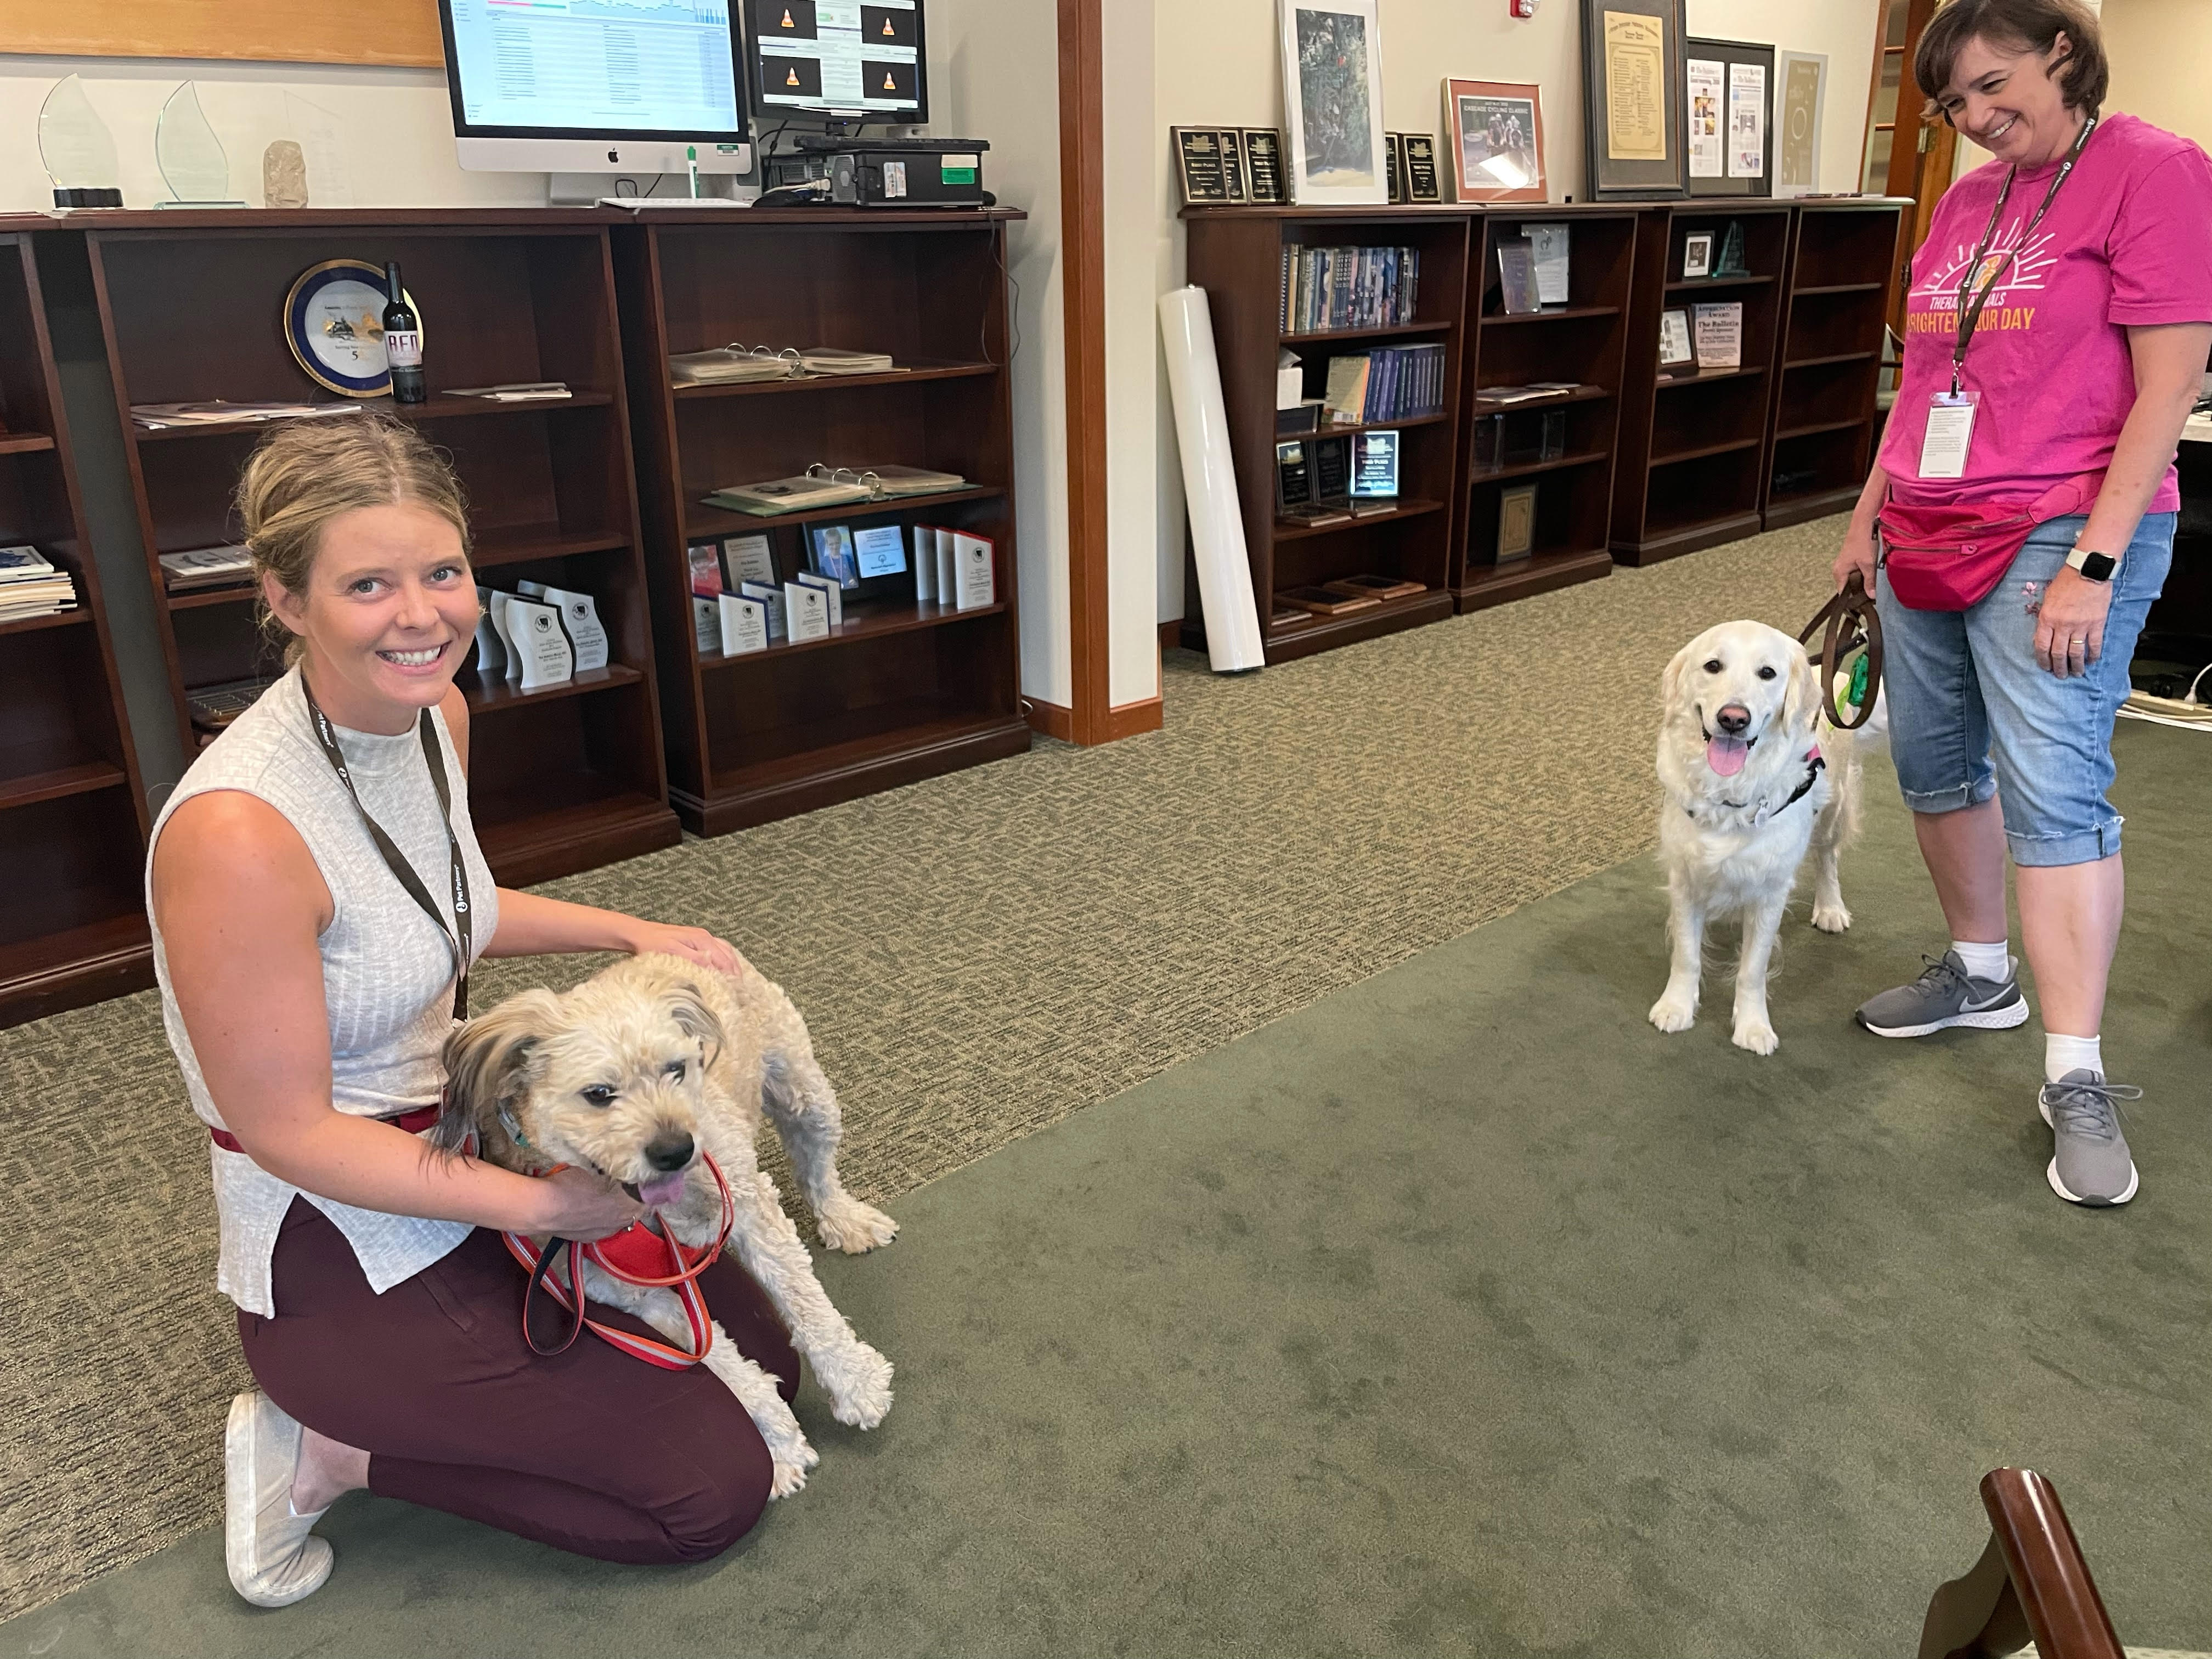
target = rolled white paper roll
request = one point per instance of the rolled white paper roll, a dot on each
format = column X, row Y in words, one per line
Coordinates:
column 1209, row 482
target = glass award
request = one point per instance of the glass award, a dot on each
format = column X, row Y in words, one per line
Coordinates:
column 1731, row 260
column 77, row 149
column 191, row 157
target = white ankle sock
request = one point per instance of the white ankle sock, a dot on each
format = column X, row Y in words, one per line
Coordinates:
column 1986, row 961
column 2062, row 1055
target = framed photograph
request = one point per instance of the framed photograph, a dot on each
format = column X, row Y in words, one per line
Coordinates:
column 1801, row 88
column 1634, row 130
column 1263, row 164
column 1729, row 88
column 1424, row 183
column 1199, row 167
column 1697, row 256
column 1496, row 129
column 1332, row 92
column 1516, row 522
column 1232, row 164
column 1674, row 353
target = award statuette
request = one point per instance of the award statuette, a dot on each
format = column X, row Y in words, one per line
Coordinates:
column 1731, row 255
column 1263, row 165
column 1422, row 183
column 540, row 642
column 1199, row 165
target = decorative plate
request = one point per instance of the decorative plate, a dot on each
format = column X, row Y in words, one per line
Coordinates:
column 334, row 322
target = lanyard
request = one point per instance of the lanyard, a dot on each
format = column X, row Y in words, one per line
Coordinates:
column 1970, row 315
column 432, row 752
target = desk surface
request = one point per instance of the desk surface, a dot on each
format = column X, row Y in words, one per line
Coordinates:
column 2198, row 429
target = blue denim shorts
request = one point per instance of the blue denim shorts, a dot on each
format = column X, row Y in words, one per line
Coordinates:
column 1970, row 710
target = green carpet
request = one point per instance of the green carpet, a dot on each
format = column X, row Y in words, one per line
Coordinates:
column 978, row 956
column 1456, row 1312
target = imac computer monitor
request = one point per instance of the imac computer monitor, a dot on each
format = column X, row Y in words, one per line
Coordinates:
column 595, row 86
column 839, row 60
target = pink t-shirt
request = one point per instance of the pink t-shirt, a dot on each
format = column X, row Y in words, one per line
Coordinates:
column 2127, row 241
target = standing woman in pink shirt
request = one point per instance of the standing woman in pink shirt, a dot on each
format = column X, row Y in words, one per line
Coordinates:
column 2023, row 506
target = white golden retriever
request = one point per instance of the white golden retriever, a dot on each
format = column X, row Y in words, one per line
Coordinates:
column 1755, row 777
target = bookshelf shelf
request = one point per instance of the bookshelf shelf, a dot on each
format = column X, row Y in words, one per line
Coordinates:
column 1572, row 490
column 900, row 692
column 433, row 409
column 73, row 821
column 1240, row 259
column 702, row 521
column 1821, row 405
column 1689, row 474
column 911, row 376
column 549, row 484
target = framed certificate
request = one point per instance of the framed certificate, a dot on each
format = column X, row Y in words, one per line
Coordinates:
column 1496, row 129
column 1633, row 126
column 1200, row 169
column 1729, row 86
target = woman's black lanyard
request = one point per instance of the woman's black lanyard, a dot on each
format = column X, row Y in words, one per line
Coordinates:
column 326, row 734
column 1970, row 315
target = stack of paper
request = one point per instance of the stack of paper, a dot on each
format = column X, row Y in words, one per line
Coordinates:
column 31, row 587
column 206, row 567
column 514, row 392
column 152, row 417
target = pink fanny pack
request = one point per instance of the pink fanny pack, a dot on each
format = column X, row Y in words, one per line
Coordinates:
column 1949, row 558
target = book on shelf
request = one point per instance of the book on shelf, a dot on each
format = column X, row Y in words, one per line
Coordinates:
column 774, row 496
column 948, row 583
column 24, row 564
column 1391, row 383
column 1322, row 602
column 925, row 564
column 838, row 360
column 154, row 417
column 206, row 567
column 1374, row 587
column 1330, row 289
column 31, row 586
column 214, row 707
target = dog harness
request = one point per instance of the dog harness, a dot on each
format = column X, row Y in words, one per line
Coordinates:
column 413, row 1122
column 635, row 1255
column 1814, row 767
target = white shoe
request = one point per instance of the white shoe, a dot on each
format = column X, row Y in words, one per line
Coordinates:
column 274, row 1558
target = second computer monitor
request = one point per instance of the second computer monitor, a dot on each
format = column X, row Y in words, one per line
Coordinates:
column 839, row 60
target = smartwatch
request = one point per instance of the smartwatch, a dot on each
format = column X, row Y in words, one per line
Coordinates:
column 2096, row 566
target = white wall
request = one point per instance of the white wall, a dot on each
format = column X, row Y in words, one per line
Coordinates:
column 384, row 137
column 1219, row 64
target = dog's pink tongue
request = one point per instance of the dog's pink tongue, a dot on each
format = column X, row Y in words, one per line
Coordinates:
column 1726, row 755
column 657, row 1194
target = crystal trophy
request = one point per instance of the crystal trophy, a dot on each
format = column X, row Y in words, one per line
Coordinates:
column 78, row 150
column 193, row 164
column 1730, row 263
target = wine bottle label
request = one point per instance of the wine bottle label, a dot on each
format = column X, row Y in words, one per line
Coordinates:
column 402, row 349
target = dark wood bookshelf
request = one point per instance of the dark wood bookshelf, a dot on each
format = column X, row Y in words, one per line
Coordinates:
column 901, row 690
column 1689, row 471
column 73, row 819
column 561, row 780
column 1582, row 341
column 1822, row 398
column 1237, row 256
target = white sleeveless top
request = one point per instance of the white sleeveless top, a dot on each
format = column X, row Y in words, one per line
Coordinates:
column 387, row 972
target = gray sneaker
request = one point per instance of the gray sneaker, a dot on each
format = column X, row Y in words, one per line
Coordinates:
column 1943, row 996
column 2092, row 1165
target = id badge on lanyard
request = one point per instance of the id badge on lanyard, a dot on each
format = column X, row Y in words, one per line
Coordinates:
column 1950, row 433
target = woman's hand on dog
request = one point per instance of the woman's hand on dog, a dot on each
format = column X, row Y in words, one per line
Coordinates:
column 692, row 943
column 577, row 1204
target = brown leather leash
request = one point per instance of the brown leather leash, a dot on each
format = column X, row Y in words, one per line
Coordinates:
column 1851, row 622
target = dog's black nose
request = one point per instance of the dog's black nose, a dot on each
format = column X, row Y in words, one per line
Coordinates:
column 669, row 1150
column 1733, row 720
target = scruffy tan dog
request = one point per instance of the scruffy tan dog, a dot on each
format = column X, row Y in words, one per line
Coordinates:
column 635, row 1073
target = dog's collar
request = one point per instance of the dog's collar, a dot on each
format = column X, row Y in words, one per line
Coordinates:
column 1815, row 763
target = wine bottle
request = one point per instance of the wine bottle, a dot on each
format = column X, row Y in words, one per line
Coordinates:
column 403, row 340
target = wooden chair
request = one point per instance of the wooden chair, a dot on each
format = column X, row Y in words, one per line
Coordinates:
column 2031, row 1584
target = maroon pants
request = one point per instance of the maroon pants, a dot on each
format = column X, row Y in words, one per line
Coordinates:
column 590, row 1450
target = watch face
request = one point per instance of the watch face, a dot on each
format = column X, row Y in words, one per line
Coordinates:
column 2096, row 567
